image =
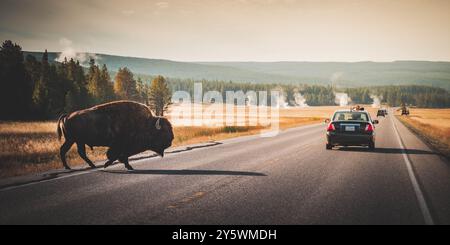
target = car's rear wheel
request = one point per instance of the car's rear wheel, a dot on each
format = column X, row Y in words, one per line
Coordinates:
column 328, row 146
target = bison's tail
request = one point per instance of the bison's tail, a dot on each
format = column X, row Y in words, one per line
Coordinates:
column 60, row 126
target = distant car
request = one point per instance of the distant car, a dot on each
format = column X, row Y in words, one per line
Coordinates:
column 381, row 113
column 405, row 111
column 351, row 128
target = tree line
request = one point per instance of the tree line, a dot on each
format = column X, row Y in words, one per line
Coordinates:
column 34, row 89
column 320, row 95
column 414, row 95
column 40, row 89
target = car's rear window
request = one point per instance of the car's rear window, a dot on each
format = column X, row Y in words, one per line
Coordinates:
column 350, row 116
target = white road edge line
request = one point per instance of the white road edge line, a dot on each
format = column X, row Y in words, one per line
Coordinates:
column 419, row 194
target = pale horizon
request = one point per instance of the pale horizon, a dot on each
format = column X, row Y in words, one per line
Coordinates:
column 219, row 61
column 235, row 30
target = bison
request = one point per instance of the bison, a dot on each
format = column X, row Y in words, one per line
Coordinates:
column 125, row 127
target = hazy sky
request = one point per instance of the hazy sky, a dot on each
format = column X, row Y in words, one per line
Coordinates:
column 234, row 30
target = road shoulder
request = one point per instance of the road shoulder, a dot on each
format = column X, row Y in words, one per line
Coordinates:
column 432, row 172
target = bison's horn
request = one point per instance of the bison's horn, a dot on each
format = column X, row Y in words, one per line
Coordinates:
column 157, row 125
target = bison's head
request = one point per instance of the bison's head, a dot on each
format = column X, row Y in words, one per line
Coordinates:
column 163, row 135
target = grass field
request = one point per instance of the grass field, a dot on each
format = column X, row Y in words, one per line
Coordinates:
column 433, row 125
column 31, row 147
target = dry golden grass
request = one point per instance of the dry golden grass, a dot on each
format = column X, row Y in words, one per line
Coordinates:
column 438, row 118
column 31, row 147
column 191, row 135
column 28, row 147
column 432, row 124
column 220, row 112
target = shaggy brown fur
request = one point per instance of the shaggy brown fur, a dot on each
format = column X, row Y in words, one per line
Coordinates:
column 126, row 127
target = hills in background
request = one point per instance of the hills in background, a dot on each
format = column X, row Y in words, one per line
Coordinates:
column 341, row 74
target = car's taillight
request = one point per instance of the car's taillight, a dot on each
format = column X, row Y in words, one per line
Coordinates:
column 369, row 128
column 331, row 127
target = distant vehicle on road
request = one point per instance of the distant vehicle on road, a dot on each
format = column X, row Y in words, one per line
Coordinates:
column 351, row 128
column 382, row 113
column 405, row 110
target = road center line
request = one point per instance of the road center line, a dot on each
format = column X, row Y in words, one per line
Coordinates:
column 419, row 194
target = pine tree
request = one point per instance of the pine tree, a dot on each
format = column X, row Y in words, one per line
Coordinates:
column 93, row 82
column 160, row 96
column 33, row 68
column 100, row 86
column 125, row 85
column 16, row 85
column 106, row 85
column 40, row 93
column 142, row 90
column 56, row 91
column 77, row 96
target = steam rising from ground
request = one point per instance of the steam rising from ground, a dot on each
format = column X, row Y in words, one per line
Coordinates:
column 335, row 78
column 300, row 100
column 68, row 52
column 281, row 100
column 281, row 103
column 342, row 99
column 376, row 100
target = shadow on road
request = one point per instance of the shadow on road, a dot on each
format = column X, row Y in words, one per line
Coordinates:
column 386, row 150
column 185, row 172
column 188, row 148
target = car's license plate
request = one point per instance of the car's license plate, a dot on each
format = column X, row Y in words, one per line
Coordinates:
column 349, row 128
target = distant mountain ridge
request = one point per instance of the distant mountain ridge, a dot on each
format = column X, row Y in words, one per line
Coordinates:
column 341, row 74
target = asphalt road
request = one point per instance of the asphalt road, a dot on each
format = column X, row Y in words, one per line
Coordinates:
column 287, row 179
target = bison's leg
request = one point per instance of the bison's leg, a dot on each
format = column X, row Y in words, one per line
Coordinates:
column 124, row 160
column 82, row 153
column 112, row 156
column 107, row 163
column 62, row 152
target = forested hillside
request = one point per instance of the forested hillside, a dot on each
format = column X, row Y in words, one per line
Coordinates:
column 340, row 74
column 33, row 88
